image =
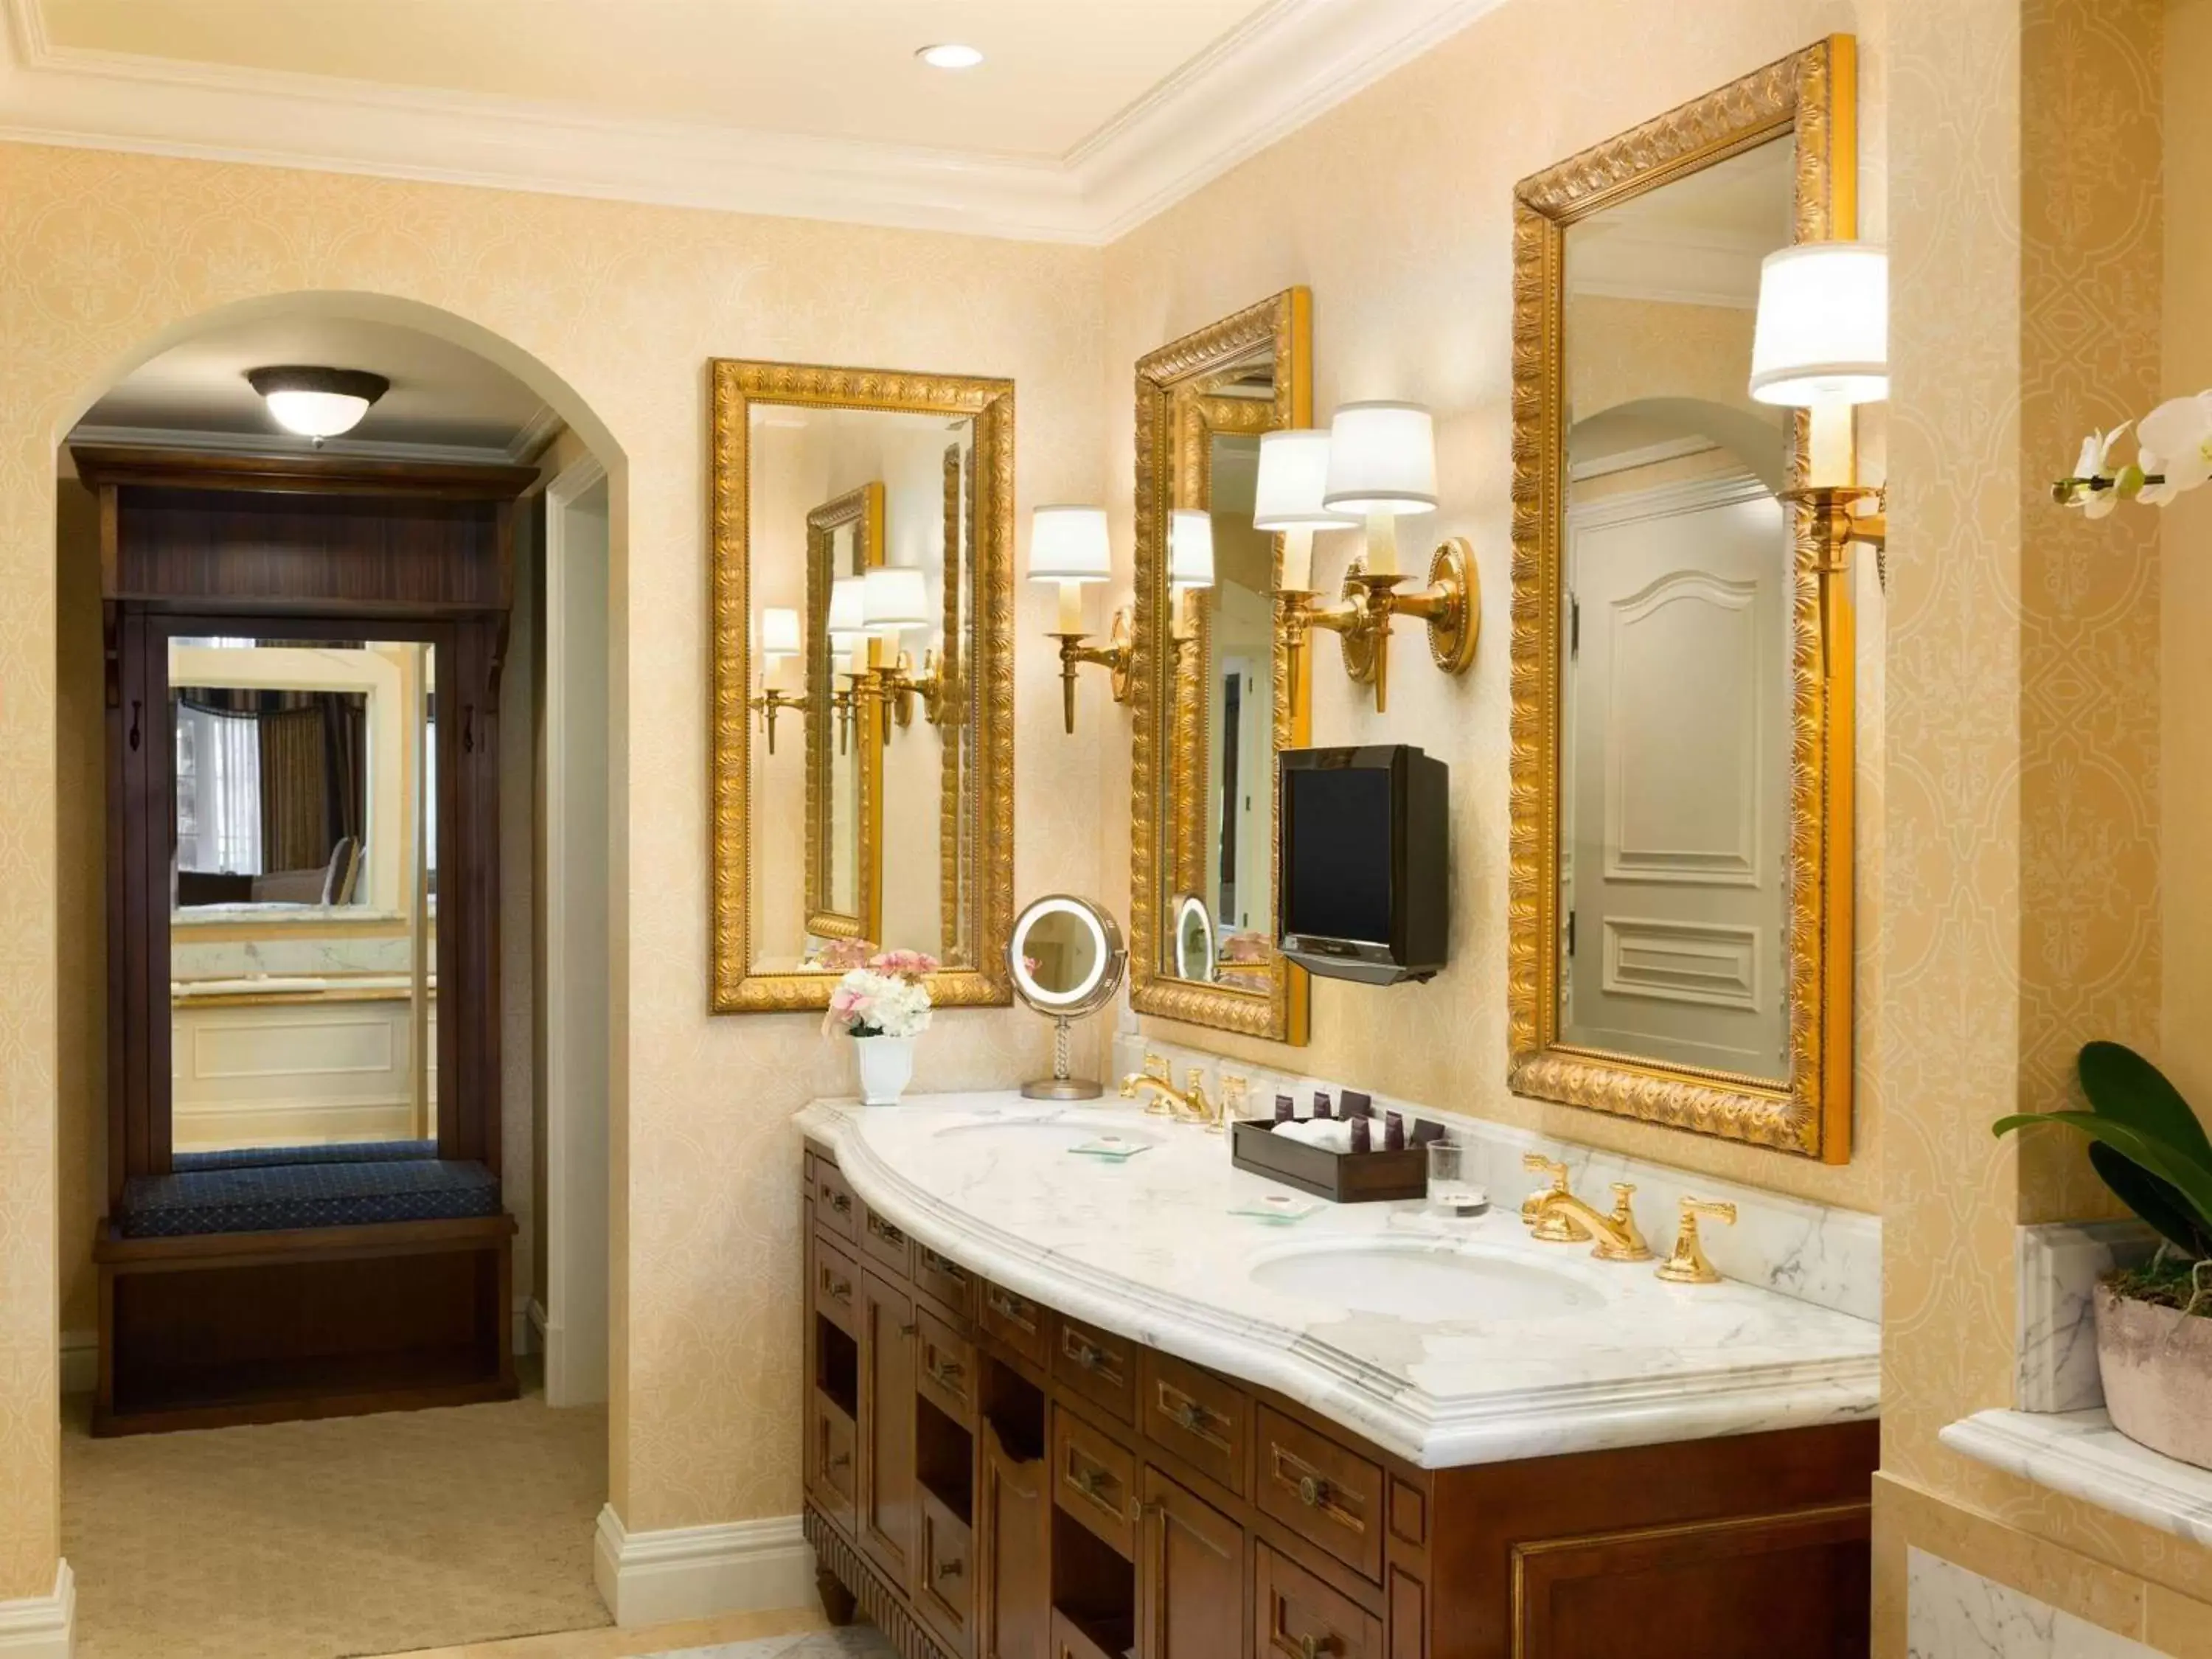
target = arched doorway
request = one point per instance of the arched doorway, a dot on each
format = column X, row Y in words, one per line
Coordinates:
column 164, row 391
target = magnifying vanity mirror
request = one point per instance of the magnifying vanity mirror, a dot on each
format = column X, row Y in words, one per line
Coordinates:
column 1065, row 961
column 1215, row 696
column 1682, row 697
column 863, row 537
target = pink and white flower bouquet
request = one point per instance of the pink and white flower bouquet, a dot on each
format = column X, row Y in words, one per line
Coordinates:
column 888, row 997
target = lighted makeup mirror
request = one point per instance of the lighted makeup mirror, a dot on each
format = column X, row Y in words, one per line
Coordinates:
column 1065, row 960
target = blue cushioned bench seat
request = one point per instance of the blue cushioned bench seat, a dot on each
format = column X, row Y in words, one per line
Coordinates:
column 271, row 1198
column 270, row 1157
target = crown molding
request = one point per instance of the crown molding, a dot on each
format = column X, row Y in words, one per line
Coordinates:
column 1288, row 63
column 273, row 446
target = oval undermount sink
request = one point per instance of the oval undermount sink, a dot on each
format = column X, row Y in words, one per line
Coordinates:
column 1412, row 1280
column 1055, row 1131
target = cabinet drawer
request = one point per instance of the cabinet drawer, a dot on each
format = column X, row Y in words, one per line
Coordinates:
column 945, row 1279
column 1199, row 1418
column 1099, row 1367
column 945, row 1570
column 1071, row 1641
column 836, row 1288
column 1016, row 1321
column 1296, row 1616
column 832, row 1439
column 1095, row 1481
column 886, row 1245
column 944, row 1367
column 1321, row 1492
column 834, row 1206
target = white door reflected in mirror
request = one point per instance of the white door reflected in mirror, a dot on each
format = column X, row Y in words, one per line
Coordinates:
column 1066, row 961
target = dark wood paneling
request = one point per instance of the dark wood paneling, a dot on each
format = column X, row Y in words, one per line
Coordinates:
column 1190, row 1578
column 1013, row 1530
column 887, row 1473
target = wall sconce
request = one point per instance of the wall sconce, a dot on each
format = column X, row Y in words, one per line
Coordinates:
column 1191, row 569
column 846, row 628
column 895, row 598
column 780, row 650
column 1069, row 546
column 1821, row 343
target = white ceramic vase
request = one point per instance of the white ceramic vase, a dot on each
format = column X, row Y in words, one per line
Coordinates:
column 2157, row 1368
column 886, row 1067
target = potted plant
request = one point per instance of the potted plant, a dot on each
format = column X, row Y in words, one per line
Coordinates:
column 2154, row 1322
column 883, row 1006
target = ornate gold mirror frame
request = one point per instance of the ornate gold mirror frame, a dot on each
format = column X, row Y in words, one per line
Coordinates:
column 984, row 676
column 1178, row 413
column 1811, row 96
column 842, row 727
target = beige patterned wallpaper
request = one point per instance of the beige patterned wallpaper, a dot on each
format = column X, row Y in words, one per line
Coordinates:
column 612, row 311
column 2023, row 811
column 1395, row 207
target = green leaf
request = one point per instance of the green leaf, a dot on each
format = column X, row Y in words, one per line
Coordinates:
column 2121, row 1083
column 2151, row 1200
column 2180, row 1169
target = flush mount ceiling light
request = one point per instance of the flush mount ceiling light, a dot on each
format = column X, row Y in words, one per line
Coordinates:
column 317, row 403
column 950, row 55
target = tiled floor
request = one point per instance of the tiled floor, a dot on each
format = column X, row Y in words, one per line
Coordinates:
column 796, row 1633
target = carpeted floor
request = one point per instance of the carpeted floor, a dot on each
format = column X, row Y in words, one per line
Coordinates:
column 317, row 1541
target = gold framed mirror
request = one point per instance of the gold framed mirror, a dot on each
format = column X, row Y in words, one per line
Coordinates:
column 1681, row 907
column 863, row 525
column 844, row 746
column 1212, row 677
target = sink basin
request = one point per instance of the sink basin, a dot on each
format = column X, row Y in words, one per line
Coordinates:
column 1414, row 1279
column 1056, row 1132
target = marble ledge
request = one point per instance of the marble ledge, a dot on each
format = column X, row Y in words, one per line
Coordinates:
column 2083, row 1456
column 1155, row 1250
column 1816, row 1253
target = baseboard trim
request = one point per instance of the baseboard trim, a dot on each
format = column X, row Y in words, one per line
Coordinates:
column 42, row 1626
column 80, row 1361
column 700, row 1572
column 525, row 1331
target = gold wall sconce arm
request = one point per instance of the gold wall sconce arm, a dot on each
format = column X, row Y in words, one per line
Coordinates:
column 770, row 703
column 1361, row 617
column 1843, row 513
column 1115, row 657
column 898, row 685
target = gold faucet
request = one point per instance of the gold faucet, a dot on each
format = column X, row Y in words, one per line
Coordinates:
column 1557, row 1227
column 1190, row 1103
column 1688, row 1265
column 1617, row 1234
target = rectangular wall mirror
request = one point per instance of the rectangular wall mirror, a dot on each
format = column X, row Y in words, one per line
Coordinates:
column 1682, row 700
column 1214, row 697
column 863, row 680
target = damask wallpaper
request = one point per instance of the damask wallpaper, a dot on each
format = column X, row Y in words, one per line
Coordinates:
column 611, row 311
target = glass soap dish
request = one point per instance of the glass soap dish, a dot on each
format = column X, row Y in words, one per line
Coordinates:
column 1279, row 1208
column 1111, row 1149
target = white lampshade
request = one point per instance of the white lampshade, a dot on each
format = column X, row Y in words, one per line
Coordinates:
column 895, row 598
column 1070, row 544
column 1823, row 332
column 780, row 632
column 1382, row 459
column 844, row 643
column 1293, row 474
column 1190, row 547
column 848, row 606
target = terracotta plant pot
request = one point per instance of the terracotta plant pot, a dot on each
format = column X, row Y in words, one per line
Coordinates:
column 2157, row 1366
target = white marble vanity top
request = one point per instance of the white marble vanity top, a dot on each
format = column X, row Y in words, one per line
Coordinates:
column 1547, row 1350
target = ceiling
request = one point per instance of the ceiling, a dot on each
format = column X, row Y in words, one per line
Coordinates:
column 1697, row 240
column 1086, row 117
column 446, row 403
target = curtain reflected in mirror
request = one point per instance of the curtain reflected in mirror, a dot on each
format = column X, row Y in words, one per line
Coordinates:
column 303, row 891
column 1678, row 562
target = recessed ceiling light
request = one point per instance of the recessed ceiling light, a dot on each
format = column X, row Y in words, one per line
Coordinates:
column 950, row 55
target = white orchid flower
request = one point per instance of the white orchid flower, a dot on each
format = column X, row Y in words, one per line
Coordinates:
column 2095, row 461
column 2177, row 443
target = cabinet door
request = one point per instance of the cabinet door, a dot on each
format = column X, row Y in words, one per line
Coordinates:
column 887, row 1479
column 1013, row 1528
column 1190, row 1577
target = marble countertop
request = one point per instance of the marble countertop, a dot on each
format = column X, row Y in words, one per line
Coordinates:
column 1555, row 1352
column 2080, row 1453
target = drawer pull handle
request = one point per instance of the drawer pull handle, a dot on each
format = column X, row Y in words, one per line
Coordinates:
column 1316, row 1648
column 842, row 1460
column 1193, row 1418
column 1088, row 1355
column 937, row 1264
column 951, row 1569
column 946, row 1373
column 909, row 1330
column 1009, row 1305
column 842, row 1289
column 1097, row 1486
column 883, row 1230
column 1313, row 1491
column 838, row 1201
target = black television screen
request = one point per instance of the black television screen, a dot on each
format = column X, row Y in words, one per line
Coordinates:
column 1339, row 882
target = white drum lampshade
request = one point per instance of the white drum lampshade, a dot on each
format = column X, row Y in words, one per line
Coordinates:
column 1293, row 476
column 1382, row 460
column 780, row 632
column 1823, row 329
column 895, row 598
column 848, row 606
column 1069, row 544
column 1190, row 547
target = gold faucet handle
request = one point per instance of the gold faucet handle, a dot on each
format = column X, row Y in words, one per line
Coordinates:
column 1157, row 1067
column 1626, row 1243
column 1555, row 1226
column 1236, row 1096
column 1688, row 1265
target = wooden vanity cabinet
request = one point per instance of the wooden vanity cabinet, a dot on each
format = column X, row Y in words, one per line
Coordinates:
column 986, row 1478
